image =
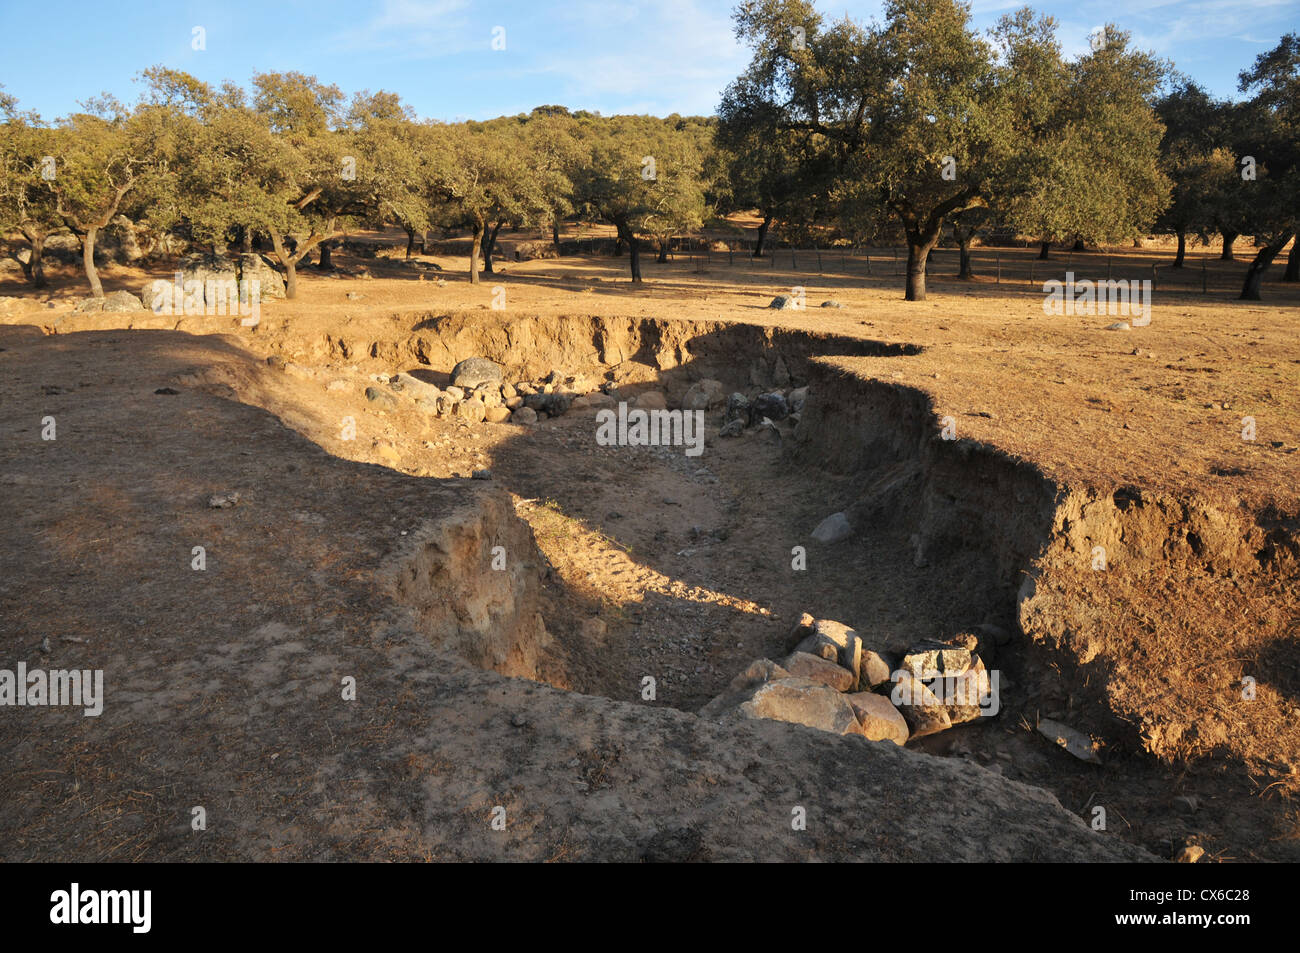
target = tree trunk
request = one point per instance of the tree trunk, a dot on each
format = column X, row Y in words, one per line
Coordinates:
column 325, row 264
column 1228, row 239
column 1042, row 252
column 34, row 268
column 246, row 240
column 1293, row 261
column 663, row 253
column 88, row 259
column 473, row 252
column 555, row 234
column 634, row 246
column 289, row 262
column 410, row 242
column 1254, row 284
column 1182, row 249
column 1079, row 246
column 762, row 236
column 619, row 245
column 918, row 255
column 489, row 245
column 963, row 239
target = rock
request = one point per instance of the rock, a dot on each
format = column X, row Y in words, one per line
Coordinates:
column 833, row 529
column 1189, row 854
column 445, row 405
column 704, row 395
column 880, row 720
column 497, row 415
column 1187, row 803
column 354, row 296
column 798, row 397
column 732, row 428
column 651, row 400
column 831, row 674
column 833, row 641
column 414, row 387
column 771, row 405
column 780, row 373
column 1118, row 326
column 253, row 267
column 514, row 403
column 737, row 409
column 964, row 694
column 456, row 393
column 116, row 303
column 471, row 410
column 380, row 398
column 742, row 686
column 767, row 433
column 831, row 303
column 783, row 303
column 596, row 401
column 223, row 501
column 523, row 415
column 801, row 701
column 873, row 670
column 919, row 706
column 593, row 630
column 491, row 396
column 932, row 660
column 474, row 371
column 483, row 474
column 1075, row 742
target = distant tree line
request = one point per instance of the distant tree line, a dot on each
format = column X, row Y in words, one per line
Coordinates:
column 835, row 132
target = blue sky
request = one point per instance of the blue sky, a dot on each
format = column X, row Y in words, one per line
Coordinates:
column 639, row 56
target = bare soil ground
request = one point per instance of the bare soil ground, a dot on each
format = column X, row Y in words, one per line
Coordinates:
column 686, row 561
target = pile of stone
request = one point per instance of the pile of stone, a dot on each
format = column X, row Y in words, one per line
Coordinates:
column 763, row 411
column 834, row 681
column 478, row 392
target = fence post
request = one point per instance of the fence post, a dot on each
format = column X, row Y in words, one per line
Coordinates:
column 998, row 257
column 1032, row 263
column 1203, row 288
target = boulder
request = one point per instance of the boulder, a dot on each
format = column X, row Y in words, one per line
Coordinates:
column 456, row 393
column 783, row 303
column 880, row 720
column 253, row 267
column 651, row 400
column 217, row 277
column 771, row 405
column 829, row 673
column 801, row 701
column 742, row 687
column 523, row 415
column 117, row 302
column 414, row 387
column 873, row 670
column 497, row 415
column 831, row 303
column 704, row 395
column 474, row 371
column 798, row 397
column 737, row 408
column 380, row 398
column 833, row 529
column 963, row 694
column 833, row 641
column 471, row 410
column 732, row 428
column 935, row 659
column 924, row 713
